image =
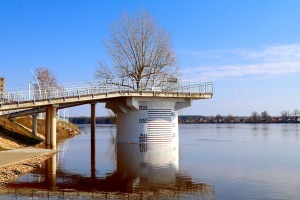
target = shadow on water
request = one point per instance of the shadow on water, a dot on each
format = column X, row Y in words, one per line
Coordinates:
column 141, row 169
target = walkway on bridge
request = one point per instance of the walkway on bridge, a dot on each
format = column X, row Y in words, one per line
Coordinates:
column 123, row 97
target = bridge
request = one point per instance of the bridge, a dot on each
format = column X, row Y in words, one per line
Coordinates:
column 147, row 111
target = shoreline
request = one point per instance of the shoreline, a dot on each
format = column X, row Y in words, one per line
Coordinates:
column 18, row 156
column 24, row 162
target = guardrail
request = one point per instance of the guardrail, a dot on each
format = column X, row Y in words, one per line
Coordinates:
column 98, row 87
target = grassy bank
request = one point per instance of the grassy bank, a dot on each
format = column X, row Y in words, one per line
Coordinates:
column 17, row 133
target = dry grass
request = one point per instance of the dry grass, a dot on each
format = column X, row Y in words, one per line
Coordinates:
column 15, row 135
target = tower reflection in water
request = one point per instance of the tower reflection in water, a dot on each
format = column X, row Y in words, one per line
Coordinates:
column 151, row 169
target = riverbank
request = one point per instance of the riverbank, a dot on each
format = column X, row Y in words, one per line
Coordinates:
column 17, row 162
column 16, row 156
column 18, row 133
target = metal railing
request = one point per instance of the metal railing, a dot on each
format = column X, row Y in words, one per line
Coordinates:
column 108, row 86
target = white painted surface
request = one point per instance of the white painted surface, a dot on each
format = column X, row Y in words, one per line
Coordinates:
column 148, row 120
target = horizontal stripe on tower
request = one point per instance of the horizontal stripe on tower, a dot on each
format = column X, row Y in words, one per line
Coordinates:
column 158, row 109
column 168, row 118
column 159, row 138
column 164, row 113
column 159, row 133
column 160, row 141
column 161, row 115
column 159, row 128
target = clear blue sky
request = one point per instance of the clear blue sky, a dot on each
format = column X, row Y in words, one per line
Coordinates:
column 250, row 49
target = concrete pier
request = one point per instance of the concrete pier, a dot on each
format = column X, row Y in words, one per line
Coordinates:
column 147, row 120
column 53, row 110
column 34, row 124
column 93, row 140
column 47, row 127
column 93, row 121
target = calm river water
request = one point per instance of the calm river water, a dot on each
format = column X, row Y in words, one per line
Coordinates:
column 212, row 161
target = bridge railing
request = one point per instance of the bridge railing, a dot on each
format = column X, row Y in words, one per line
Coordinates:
column 98, row 87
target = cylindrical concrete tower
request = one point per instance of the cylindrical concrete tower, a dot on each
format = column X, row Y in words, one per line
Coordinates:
column 147, row 119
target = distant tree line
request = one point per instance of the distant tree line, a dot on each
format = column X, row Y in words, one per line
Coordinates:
column 255, row 117
column 87, row 120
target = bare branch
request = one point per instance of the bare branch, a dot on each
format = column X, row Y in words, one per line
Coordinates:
column 139, row 49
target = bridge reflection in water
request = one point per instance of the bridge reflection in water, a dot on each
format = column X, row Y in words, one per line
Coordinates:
column 142, row 169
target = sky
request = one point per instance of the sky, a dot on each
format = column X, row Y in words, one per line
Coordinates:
column 249, row 49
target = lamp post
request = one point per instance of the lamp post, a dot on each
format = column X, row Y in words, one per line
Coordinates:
column 29, row 90
column 36, row 81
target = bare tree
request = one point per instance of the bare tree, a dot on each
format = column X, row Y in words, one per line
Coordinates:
column 219, row 118
column 284, row 115
column 265, row 116
column 255, row 116
column 45, row 78
column 296, row 112
column 46, row 81
column 229, row 118
column 140, row 50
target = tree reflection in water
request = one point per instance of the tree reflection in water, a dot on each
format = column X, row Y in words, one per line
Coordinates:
column 148, row 169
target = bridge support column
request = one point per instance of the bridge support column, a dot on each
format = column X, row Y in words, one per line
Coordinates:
column 34, row 124
column 51, row 168
column 53, row 109
column 147, row 119
column 93, row 121
column 47, row 127
column 93, row 140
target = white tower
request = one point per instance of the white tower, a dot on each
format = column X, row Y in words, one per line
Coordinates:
column 147, row 120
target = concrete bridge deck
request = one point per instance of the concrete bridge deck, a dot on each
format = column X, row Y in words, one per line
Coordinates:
column 150, row 109
column 70, row 95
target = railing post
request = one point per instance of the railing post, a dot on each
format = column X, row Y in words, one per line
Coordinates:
column 140, row 85
column 33, row 98
column 167, row 86
column 29, row 91
column 18, row 98
column 119, row 86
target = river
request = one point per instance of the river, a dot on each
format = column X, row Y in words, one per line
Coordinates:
column 212, row 161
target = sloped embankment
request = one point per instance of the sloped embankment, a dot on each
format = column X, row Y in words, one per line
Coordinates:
column 18, row 134
column 14, row 136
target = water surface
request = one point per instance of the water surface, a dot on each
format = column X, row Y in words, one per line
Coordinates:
column 212, row 161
